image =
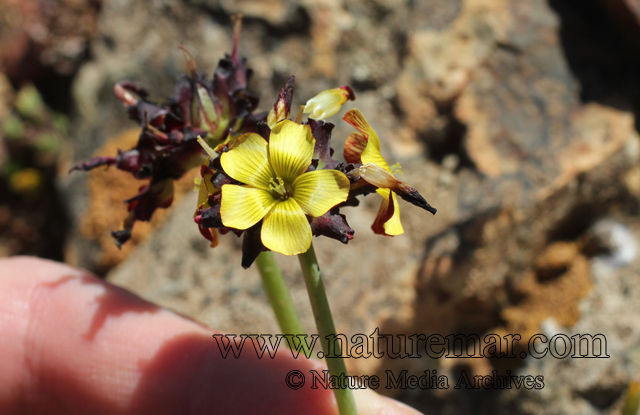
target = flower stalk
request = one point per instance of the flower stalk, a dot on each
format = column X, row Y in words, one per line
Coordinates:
column 279, row 296
column 326, row 327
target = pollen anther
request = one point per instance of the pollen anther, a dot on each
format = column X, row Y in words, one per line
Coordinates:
column 276, row 184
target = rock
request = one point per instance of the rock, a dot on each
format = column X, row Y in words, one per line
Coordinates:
column 39, row 37
column 557, row 256
column 613, row 244
column 595, row 385
column 493, row 110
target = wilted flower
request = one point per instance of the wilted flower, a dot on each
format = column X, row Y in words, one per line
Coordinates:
column 364, row 148
column 267, row 178
column 168, row 145
column 278, row 187
column 282, row 108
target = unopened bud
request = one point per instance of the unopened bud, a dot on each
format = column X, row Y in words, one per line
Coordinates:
column 328, row 102
column 203, row 108
column 378, row 176
column 281, row 109
column 124, row 95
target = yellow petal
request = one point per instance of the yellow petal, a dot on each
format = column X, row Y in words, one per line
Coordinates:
column 371, row 153
column 286, row 229
column 318, row 191
column 243, row 206
column 206, row 187
column 328, row 102
column 388, row 219
column 278, row 113
column 203, row 195
column 394, row 226
column 290, row 149
column 248, row 162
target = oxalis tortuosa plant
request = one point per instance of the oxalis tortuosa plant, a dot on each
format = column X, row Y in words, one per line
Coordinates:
column 265, row 177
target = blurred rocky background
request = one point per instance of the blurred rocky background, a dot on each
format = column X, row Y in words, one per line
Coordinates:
column 517, row 119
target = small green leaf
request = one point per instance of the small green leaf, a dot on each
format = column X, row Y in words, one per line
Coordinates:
column 30, row 105
column 13, row 127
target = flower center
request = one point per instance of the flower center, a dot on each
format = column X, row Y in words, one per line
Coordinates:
column 278, row 188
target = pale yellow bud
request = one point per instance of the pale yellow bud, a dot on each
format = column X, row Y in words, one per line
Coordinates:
column 328, row 103
column 378, row 176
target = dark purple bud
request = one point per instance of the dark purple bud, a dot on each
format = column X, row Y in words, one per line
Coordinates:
column 333, row 225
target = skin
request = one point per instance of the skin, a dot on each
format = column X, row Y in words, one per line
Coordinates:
column 71, row 343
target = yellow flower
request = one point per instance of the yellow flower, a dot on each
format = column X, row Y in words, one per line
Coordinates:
column 328, row 102
column 277, row 187
column 365, row 147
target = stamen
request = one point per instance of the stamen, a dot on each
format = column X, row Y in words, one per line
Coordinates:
column 276, row 184
column 396, row 169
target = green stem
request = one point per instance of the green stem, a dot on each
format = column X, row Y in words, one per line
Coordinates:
column 324, row 323
column 279, row 297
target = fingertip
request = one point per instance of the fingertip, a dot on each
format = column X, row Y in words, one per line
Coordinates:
column 124, row 354
column 369, row 402
column 29, row 269
column 82, row 345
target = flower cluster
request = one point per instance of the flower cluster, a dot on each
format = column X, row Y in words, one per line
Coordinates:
column 281, row 185
column 168, row 145
column 267, row 178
